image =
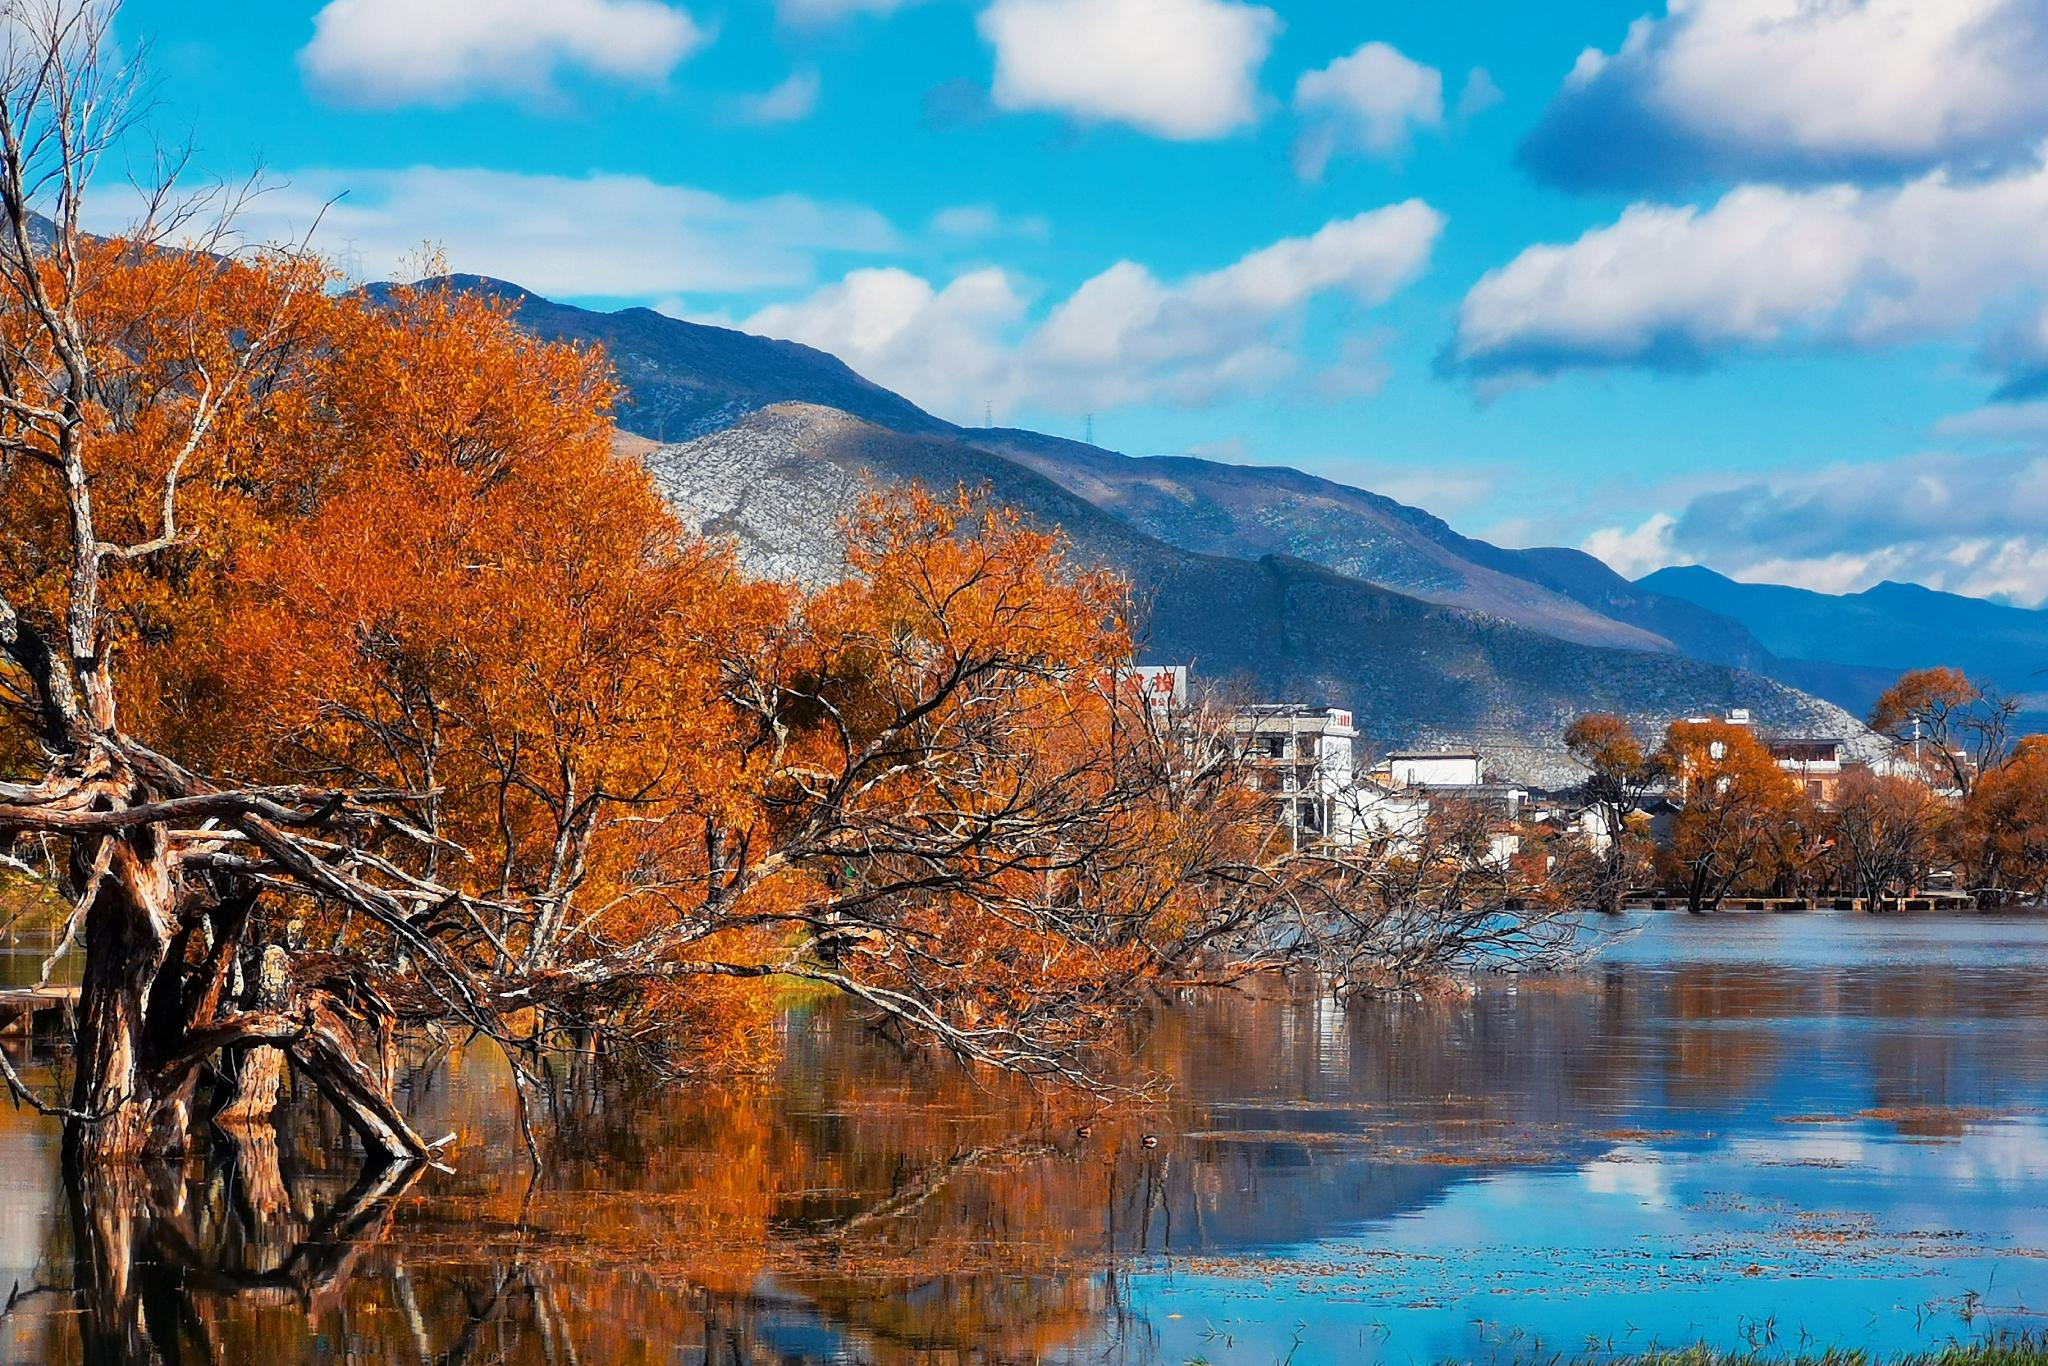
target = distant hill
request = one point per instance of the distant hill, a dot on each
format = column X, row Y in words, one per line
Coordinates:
column 688, row 378
column 1883, row 631
column 1414, row 672
column 1295, row 587
column 1254, row 510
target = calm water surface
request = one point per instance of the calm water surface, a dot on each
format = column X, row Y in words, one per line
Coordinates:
column 1778, row 1131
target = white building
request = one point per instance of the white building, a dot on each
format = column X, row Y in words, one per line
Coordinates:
column 1451, row 768
column 1302, row 756
column 1379, row 815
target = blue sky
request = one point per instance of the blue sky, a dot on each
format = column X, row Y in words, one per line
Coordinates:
column 1757, row 283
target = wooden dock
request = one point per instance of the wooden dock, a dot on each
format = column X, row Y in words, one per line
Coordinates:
column 32, row 1010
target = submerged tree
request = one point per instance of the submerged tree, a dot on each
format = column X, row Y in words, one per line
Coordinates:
column 1885, row 830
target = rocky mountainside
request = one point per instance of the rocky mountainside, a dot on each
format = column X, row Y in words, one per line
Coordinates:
column 686, row 378
column 1275, row 626
column 1270, row 580
column 1247, row 510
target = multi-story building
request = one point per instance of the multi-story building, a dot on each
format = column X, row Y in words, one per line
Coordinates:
column 1302, row 757
column 1816, row 763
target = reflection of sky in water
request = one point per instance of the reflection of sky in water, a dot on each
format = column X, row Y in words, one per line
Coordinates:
column 1851, row 1238
column 1797, row 1131
column 1779, row 1131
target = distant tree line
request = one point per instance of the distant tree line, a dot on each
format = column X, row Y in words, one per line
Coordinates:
column 1956, row 792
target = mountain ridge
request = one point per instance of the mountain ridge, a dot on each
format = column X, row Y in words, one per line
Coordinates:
column 1281, row 581
column 1885, row 629
column 1275, row 626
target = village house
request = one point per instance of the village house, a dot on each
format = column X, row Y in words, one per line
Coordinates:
column 1433, row 768
column 1302, row 756
column 1816, row 763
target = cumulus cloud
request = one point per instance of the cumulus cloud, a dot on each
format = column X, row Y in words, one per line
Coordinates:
column 1370, row 102
column 1635, row 551
column 1800, row 90
column 792, row 100
column 1765, row 267
column 1968, row 523
column 617, row 236
column 1184, row 69
column 1123, row 337
column 395, row 52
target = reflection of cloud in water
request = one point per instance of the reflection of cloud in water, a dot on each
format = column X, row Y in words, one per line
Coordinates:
column 2007, row 1152
column 1631, row 1171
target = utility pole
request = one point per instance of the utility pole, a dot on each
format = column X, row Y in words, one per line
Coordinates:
column 1089, row 429
column 988, row 413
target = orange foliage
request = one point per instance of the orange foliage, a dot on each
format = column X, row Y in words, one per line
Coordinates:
column 2005, row 822
column 1739, row 814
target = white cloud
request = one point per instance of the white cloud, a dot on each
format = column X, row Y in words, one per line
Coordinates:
column 942, row 345
column 1185, row 69
column 1123, row 337
column 791, row 100
column 1967, row 524
column 617, row 236
column 1371, row 101
column 393, row 52
column 1802, row 89
column 1360, row 371
column 1480, row 93
column 2023, row 422
column 975, row 222
column 1634, row 552
column 1675, row 286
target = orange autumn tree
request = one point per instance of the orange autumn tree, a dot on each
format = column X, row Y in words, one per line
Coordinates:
column 1736, row 808
column 447, row 721
column 1957, row 730
column 2004, row 826
column 471, row 733
column 1619, row 775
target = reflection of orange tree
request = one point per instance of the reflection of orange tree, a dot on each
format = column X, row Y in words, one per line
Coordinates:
column 924, row 1207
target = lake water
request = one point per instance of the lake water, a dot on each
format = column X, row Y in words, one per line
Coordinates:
column 1769, row 1131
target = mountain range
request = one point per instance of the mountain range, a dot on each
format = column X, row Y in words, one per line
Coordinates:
column 1881, row 631
column 1271, row 582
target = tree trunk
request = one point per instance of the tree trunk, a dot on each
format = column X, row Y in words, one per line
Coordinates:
column 327, row 1057
column 261, row 1071
column 128, row 933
